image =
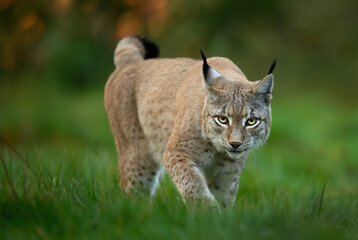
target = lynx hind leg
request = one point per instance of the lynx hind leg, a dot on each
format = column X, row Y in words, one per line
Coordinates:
column 138, row 172
column 137, row 169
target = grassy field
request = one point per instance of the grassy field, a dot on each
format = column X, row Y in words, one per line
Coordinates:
column 62, row 179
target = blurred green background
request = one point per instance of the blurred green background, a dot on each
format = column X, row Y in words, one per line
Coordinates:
column 55, row 58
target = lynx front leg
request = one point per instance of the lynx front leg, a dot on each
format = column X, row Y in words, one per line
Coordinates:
column 223, row 180
column 225, row 186
column 188, row 178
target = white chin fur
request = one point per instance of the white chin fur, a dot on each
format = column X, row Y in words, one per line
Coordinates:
column 234, row 154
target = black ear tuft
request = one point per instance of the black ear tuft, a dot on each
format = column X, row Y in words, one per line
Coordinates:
column 272, row 67
column 205, row 65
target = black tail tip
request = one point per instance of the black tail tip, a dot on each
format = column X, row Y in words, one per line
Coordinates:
column 151, row 49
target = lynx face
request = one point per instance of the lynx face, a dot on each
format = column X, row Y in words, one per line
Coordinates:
column 237, row 114
column 237, row 121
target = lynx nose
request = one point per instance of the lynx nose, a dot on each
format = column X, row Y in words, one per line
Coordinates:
column 235, row 145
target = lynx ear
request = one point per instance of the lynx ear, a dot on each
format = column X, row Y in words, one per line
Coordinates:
column 263, row 89
column 212, row 80
column 265, row 86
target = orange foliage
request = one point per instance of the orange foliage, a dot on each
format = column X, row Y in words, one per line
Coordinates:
column 28, row 21
column 62, row 6
column 156, row 12
column 6, row 3
column 153, row 13
column 128, row 23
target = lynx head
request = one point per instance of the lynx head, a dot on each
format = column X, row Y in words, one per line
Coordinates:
column 237, row 112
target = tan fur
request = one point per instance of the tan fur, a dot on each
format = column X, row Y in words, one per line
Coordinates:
column 158, row 112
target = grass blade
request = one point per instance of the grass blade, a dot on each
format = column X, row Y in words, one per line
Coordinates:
column 8, row 178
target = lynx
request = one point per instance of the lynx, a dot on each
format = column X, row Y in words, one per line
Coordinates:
column 197, row 119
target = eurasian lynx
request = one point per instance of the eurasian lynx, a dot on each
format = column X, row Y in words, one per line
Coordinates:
column 198, row 121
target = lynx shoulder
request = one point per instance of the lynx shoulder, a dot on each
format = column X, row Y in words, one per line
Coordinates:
column 198, row 119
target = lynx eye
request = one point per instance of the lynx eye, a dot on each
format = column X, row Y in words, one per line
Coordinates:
column 251, row 121
column 223, row 119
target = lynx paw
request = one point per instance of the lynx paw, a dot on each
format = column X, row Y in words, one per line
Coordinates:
column 204, row 201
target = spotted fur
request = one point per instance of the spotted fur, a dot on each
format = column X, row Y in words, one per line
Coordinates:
column 163, row 115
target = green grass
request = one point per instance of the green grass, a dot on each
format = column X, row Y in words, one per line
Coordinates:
column 303, row 184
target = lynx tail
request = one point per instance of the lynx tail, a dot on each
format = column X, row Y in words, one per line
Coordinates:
column 134, row 48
